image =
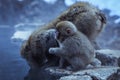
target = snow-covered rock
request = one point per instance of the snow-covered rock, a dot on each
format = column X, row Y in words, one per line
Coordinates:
column 92, row 74
column 23, row 31
column 84, row 77
column 23, row 35
column 109, row 69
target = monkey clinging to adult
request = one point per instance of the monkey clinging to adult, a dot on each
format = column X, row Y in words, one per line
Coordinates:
column 74, row 46
column 88, row 19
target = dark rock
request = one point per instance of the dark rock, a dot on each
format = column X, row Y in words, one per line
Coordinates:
column 115, row 76
column 51, row 73
column 108, row 57
column 119, row 62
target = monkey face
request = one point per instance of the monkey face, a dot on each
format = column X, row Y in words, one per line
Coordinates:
column 65, row 32
column 66, row 28
column 50, row 38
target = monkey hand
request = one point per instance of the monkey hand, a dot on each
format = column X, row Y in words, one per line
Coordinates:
column 52, row 50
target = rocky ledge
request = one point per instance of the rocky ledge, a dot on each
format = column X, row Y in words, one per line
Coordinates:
column 109, row 69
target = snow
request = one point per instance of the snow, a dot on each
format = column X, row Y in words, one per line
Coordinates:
column 23, row 30
column 23, row 35
column 110, row 52
column 117, row 21
column 50, row 1
column 69, row 2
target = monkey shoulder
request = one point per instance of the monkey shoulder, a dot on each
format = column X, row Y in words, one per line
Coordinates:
column 83, row 41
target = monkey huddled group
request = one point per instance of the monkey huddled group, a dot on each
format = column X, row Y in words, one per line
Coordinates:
column 67, row 41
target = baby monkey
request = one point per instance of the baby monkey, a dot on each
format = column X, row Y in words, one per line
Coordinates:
column 74, row 47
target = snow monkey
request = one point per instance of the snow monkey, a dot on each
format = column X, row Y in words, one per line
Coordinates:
column 74, row 46
column 35, row 51
column 88, row 19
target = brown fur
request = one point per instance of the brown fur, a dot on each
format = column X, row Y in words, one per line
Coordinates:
column 35, row 50
column 87, row 18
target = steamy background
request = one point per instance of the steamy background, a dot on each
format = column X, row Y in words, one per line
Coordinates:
column 18, row 18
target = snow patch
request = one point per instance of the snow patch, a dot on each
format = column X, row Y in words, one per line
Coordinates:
column 70, row 2
column 117, row 21
column 23, row 35
column 24, row 30
column 109, row 52
column 50, row 1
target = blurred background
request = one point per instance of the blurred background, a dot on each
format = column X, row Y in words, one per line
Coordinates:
column 18, row 18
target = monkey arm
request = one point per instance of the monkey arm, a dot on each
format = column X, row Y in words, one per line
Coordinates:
column 56, row 50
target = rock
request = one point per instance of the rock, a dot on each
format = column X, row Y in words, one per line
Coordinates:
column 58, row 72
column 96, row 63
column 92, row 74
column 85, row 77
column 105, row 67
column 119, row 62
column 46, row 73
column 42, row 74
column 109, row 57
column 115, row 76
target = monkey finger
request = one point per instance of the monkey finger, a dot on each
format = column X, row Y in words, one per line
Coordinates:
column 51, row 51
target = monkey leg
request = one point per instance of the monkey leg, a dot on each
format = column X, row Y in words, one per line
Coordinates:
column 63, row 63
column 95, row 45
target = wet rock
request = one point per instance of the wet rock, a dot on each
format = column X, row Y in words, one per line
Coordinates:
column 108, row 57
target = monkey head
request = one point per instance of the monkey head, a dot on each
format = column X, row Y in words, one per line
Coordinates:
column 35, row 50
column 87, row 18
column 66, row 28
column 50, row 38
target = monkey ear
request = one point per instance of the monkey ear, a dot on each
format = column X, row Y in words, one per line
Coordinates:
column 68, row 30
column 102, row 17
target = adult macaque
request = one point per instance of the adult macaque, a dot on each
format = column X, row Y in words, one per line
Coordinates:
column 35, row 50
